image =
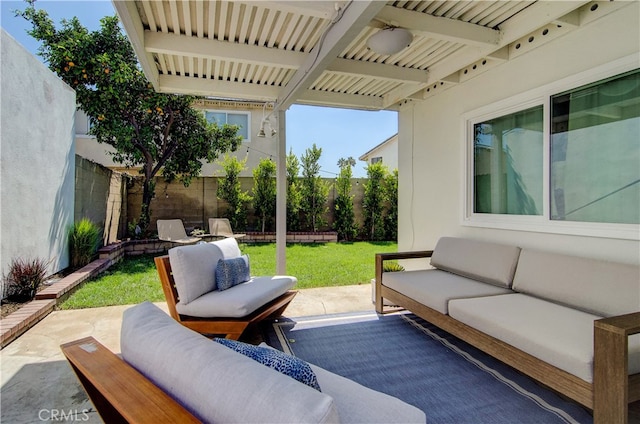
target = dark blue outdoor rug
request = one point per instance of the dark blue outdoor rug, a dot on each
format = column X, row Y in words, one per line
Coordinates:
column 406, row 357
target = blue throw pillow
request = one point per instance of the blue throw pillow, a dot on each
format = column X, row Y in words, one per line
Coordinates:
column 232, row 271
column 279, row 361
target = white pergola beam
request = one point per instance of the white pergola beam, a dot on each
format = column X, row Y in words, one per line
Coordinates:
column 130, row 19
column 349, row 101
column 211, row 87
column 533, row 17
column 181, row 45
column 377, row 70
column 440, row 28
column 354, row 18
column 238, row 90
column 319, row 8
column 203, row 48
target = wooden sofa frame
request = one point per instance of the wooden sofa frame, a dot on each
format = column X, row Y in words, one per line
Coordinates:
column 118, row 391
column 231, row 328
column 613, row 389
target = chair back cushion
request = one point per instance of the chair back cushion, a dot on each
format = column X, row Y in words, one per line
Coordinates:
column 194, row 266
column 591, row 285
column 214, row 383
column 491, row 263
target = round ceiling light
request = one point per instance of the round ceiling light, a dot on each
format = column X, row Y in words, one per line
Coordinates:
column 390, row 40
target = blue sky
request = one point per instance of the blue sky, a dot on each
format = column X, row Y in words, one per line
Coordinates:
column 339, row 132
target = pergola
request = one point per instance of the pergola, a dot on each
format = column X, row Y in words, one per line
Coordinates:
column 315, row 52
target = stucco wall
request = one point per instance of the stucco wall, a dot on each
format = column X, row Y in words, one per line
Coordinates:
column 37, row 159
column 432, row 140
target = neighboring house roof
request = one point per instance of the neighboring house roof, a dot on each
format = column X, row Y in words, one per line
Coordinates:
column 372, row 153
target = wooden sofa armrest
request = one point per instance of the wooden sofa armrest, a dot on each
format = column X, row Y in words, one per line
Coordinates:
column 613, row 388
column 118, row 391
column 381, row 258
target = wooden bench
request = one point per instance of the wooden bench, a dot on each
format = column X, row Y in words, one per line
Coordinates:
column 613, row 389
column 231, row 328
column 118, row 391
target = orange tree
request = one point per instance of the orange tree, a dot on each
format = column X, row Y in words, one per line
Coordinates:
column 161, row 133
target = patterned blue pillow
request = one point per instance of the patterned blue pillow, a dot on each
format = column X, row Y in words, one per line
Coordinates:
column 232, row 271
column 279, row 361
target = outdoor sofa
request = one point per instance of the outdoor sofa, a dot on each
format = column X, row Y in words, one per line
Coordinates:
column 571, row 323
column 169, row 373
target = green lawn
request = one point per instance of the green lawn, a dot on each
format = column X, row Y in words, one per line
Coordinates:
column 135, row 279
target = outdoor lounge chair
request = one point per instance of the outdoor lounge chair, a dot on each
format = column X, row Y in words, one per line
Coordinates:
column 195, row 299
column 173, row 230
column 221, row 227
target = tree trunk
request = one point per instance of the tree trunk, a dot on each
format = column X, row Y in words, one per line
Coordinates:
column 148, row 191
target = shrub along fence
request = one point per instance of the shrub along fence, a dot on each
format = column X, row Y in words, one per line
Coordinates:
column 112, row 200
column 198, row 202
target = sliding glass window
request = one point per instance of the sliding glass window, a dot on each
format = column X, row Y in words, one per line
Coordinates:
column 595, row 152
column 508, row 164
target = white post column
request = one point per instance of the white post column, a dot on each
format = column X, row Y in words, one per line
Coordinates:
column 281, row 196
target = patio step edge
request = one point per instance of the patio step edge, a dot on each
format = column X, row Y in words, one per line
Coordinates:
column 13, row 325
column 16, row 323
column 60, row 288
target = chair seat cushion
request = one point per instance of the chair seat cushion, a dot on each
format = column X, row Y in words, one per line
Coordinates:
column 435, row 288
column 238, row 301
column 557, row 334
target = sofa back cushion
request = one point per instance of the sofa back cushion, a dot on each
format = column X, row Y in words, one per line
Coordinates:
column 194, row 266
column 491, row 263
column 211, row 381
column 595, row 286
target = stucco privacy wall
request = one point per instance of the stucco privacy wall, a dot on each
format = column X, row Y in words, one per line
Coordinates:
column 431, row 139
column 37, row 158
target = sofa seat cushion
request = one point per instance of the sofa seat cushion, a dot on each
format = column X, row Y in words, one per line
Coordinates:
column 599, row 287
column 556, row 334
column 435, row 288
column 491, row 263
column 238, row 301
column 358, row 404
column 214, row 383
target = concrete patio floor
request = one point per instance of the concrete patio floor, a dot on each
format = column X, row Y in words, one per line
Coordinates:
column 37, row 384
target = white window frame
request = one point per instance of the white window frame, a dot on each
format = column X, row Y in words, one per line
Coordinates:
column 539, row 96
column 248, row 114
